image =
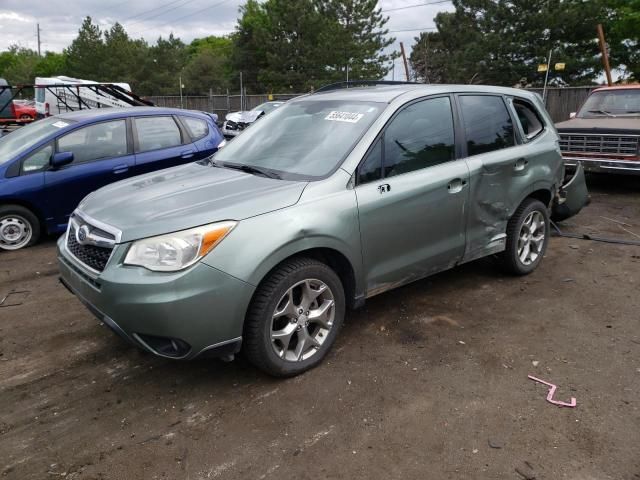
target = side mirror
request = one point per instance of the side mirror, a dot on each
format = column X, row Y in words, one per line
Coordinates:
column 61, row 159
column 572, row 115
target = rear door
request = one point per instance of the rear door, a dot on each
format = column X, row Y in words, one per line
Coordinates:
column 102, row 154
column 499, row 166
column 161, row 142
column 204, row 136
column 412, row 192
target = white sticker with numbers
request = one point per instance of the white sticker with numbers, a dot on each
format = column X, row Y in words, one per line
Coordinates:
column 348, row 117
column 59, row 124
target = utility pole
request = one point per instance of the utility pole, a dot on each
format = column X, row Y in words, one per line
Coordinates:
column 546, row 78
column 605, row 54
column 404, row 59
column 241, row 93
column 38, row 33
column 180, row 80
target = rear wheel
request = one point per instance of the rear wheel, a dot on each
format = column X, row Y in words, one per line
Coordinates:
column 19, row 227
column 294, row 317
column 26, row 117
column 527, row 238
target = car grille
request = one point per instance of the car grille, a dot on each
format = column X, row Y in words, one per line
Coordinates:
column 93, row 256
column 231, row 125
column 619, row 146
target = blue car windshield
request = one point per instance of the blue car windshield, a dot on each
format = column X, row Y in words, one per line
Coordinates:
column 306, row 139
column 22, row 139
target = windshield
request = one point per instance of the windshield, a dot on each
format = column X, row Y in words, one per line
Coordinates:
column 302, row 140
column 24, row 138
column 267, row 107
column 623, row 102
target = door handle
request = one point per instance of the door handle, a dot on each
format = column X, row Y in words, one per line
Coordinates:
column 456, row 185
column 521, row 164
column 187, row 154
column 120, row 169
column 385, row 187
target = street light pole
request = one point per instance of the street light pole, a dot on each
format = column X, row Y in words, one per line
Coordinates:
column 546, row 78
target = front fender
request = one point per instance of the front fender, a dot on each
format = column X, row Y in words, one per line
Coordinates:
column 260, row 243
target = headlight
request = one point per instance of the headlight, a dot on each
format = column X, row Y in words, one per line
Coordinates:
column 179, row 250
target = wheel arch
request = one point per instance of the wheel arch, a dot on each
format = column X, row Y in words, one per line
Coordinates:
column 7, row 202
column 334, row 258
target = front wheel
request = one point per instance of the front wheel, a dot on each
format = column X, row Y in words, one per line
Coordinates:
column 527, row 238
column 294, row 317
column 19, row 227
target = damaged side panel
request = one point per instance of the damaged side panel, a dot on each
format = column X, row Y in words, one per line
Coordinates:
column 500, row 181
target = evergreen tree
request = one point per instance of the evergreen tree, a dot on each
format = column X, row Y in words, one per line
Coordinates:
column 357, row 39
column 85, row 57
column 503, row 41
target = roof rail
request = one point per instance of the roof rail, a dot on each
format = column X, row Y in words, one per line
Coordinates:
column 361, row 83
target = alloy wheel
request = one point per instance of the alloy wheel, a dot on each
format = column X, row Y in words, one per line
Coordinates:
column 302, row 320
column 531, row 238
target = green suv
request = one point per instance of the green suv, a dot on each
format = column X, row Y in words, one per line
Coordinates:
column 332, row 198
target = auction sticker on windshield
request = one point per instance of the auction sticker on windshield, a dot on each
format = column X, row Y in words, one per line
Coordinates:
column 348, row 117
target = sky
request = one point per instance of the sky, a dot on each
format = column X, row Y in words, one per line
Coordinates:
column 188, row 19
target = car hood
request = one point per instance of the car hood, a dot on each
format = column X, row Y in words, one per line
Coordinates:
column 186, row 196
column 244, row 117
column 601, row 124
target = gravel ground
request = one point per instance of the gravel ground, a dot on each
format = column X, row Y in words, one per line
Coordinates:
column 428, row 381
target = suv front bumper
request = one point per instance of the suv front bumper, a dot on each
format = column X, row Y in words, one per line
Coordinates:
column 176, row 315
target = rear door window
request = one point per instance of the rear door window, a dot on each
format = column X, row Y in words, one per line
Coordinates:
column 155, row 133
column 197, row 127
column 487, row 123
column 97, row 141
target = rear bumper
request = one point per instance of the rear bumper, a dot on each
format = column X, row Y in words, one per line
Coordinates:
column 201, row 310
column 604, row 166
column 572, row 197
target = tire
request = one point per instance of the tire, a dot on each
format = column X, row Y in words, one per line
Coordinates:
column 19, row 227
column 514, row 259
column 279, row 338
column 26, row 118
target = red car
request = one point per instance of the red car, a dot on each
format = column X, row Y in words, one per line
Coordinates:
column 24, row 111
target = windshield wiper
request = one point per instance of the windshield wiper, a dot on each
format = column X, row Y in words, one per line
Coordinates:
column 248, row 169
column 602, row 112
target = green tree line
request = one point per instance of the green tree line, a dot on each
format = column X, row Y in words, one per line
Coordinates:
column 278, row 45
column 503, row 41
column 298, row 45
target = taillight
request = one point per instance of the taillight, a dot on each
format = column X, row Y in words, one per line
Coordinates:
column 46, row 109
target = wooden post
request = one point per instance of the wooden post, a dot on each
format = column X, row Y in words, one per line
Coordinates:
column 404, row 59
column 605, row 55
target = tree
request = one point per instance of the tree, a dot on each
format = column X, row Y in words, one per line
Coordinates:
column 357, row 39
column 502, row 41
column 209, row 65
column 87, row 53
column 162, row 70
column 624, row 37
column 249, row 54
column 126, row 57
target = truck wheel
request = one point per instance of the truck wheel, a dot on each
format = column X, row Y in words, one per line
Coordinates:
column 527, row 238
column 294, row 317
column 19, row 227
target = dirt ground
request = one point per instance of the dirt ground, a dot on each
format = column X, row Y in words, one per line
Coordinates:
column 426, row 382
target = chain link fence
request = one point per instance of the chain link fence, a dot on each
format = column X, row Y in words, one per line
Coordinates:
column 560, row 101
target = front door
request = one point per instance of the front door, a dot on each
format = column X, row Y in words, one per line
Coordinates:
column 412, row 192
column 101, row 155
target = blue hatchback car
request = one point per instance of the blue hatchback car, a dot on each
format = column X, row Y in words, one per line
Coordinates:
column 47, row 167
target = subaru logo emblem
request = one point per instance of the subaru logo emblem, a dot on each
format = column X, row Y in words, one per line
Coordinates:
column 82, row 234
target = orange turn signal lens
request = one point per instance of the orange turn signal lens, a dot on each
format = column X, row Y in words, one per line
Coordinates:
column 212, row 237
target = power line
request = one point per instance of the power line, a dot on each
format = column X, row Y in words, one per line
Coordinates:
column 415, row 5
column 413, row 29
column 181, row 18
column 154, row 9
column 163, row 12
